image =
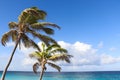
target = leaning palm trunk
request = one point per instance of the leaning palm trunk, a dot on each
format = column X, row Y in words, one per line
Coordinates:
column 10, row 60
column 42, row 71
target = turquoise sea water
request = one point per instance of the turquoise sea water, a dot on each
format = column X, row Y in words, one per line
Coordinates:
column 104, row 75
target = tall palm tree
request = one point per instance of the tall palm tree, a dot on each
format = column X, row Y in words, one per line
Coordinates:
column 49, row 55
column 28, row 24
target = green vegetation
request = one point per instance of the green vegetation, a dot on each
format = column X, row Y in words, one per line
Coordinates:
column 28, row 23
column 49, row 55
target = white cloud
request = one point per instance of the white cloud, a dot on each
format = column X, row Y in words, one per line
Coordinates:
column 85, row 58
column 107, row 59
column 85, row 54
column 10, row 44
column 28, row 61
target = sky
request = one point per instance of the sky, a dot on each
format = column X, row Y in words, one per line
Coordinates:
column 90, row 31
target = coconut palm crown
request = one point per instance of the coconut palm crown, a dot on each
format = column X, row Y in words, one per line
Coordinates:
column 28, row 24
column 49, row 55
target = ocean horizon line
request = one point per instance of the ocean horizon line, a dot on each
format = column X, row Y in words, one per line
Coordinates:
column 62, row 71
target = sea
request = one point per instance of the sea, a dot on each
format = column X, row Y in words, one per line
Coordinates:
column 98, row 75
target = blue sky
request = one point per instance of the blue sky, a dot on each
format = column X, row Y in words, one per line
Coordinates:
column 90, row 30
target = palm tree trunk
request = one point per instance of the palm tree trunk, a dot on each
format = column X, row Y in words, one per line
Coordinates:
column 42, row 71
column 10, row 59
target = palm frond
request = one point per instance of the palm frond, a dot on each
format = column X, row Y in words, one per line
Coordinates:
column 53, row 46
column 35, row 12
column 58, row 50
column 67, row 59
column 36, row 26
column 31, row 15
column 50, row 24
column 46, row 39
column 43, row 46
column 29, row 42
column 31, row 20
column 48, row 31
column 40, row 27
column 14, row 35
column 36, row 55
column 35, row 67
column 13, row 25
column 22, row 17
column 54, row 66
column 57, row 57
column 6, row 37
column 25, row 17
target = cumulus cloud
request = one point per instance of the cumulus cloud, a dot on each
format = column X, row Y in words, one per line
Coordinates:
column 84, row 56
column 107, row 59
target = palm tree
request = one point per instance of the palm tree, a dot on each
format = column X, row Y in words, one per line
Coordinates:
column 28, row 24
column 48, row 55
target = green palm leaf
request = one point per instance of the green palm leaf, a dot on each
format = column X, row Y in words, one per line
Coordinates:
column 37, row 55
column 49, row 48
column 50, row 24
column 7, row 36
column 58, row 50
column 36, row 13
column 67, row 59
column 27, row 42
column 58, row 57
column 54, row 66
column 23, row 16
column 44, row 57
column 13, row 25
column 46, row 39
column 35, row 67
column 19, row 32
column 40, row 27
